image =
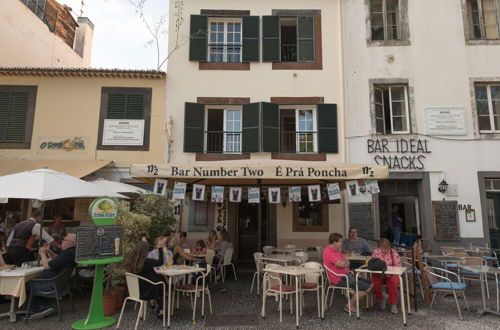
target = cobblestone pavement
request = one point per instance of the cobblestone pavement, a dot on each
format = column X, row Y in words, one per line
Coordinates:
column 237, row 305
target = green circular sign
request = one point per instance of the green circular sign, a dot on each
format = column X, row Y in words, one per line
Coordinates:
column 103, row 211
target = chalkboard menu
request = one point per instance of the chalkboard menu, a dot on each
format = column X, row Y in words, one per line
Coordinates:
column 98, row 242
column 361, row 217
column 445, row 217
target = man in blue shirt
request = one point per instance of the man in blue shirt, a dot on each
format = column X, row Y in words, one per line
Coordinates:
column 356, row 244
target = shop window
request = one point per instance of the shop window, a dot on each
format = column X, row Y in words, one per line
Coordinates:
column 391, row 109
column 223, row 131
column 201, row 216
column 17, row 109
column 124, row 109
column 310, row 216
column 483, row 19
column 298, row 132
column 488, row 107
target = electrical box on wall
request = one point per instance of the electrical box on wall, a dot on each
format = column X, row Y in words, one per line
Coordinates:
column 452, row 191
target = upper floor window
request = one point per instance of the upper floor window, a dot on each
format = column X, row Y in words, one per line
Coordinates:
column 391, row 109
column 488, row 107
column 225, row 40
column 388, row 22
column 483, row 18
column 297, row 39
column 223, row 130
column 17, row 109
column 124, row 118
column 298, row 130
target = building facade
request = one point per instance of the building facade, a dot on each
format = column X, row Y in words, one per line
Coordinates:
column 43, row 33
column 422, row 82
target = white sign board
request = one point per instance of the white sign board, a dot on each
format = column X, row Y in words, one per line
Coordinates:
column 445, row 121
column 123, row 132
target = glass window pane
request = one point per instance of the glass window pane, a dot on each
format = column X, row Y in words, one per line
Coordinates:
column 376, row 6
column 482, row 107
column 377, row 20
column 392, row 5
column 484, row 123
column 495, row 92
column 496, row 107
column 399, row 124
column 481, row 93
column 488, row 184
column 397, row 93
column 496, row 184
column 496, row 119
column 398, row 109
column 237, row 27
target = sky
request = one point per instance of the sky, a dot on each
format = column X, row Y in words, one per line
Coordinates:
column 120, row 37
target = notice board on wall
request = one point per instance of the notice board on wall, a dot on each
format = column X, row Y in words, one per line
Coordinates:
column 361, row 217
column 98, row 242
column 445, row 219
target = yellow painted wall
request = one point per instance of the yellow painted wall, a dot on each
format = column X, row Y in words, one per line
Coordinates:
column 69, row 106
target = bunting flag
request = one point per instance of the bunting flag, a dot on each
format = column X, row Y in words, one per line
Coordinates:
column 294, row 194
column 352, row 188
column 235, row 194
column 314, row 193
column 179, row 190
column 372, row 186
column 254, row 195
column 217, row 194
column 198, row 192
column 333, row 191
column 160, row 187
column 274, row 195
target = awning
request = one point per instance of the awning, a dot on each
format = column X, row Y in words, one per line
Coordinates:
column 76, row 168
column 262, row 172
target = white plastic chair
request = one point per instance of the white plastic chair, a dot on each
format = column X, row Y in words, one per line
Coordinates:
column 331, row 286
column 209, row 259
column 134, row 295
column 313, row 282
column 302, row 257
column 258, row 265
column 194, row 290
column 228, row 261
column 267, row 249
column 273, row 286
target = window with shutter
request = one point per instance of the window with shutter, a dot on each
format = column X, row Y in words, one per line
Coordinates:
column 125, row 103
column 16, row 116
column 328, row 141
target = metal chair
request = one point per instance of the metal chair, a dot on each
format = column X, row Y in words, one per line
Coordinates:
column 313, row 282
column 267, row 249
column 466, row 275
column 228, row 261
column 302, row 257
column 408, row 264
column 445, row 250
column 273, row 286
column 442, row 284
column 195, row 290
column 258, row 265
column 134, row 295
column 331, row 286
column 57, row 288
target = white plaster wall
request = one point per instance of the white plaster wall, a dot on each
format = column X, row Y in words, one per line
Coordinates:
column 27, row 41
column 186, row 82
column 439, row 65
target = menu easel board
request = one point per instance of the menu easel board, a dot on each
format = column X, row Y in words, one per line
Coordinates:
column 98, row 242
column 361, row 217
column 445, row 219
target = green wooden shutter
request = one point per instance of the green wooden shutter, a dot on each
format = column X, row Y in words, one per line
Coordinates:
column 125, row 106
column 194, row 127
column 305, row 38
column 135, row 106
column 327, row 128
column 270, row 127
column 13, row 115
column 250, row 39
column 270, row 38
column 251, row 128
column 198, row 41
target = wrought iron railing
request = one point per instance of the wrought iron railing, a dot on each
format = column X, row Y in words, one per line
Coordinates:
column 288, row 53
column 222, row 142
column 224, row 53
column 297, row 142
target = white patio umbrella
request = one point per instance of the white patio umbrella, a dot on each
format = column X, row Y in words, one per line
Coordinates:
column 45, row 184
column 118, row 187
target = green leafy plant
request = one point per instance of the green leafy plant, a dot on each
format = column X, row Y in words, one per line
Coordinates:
column 160, row 209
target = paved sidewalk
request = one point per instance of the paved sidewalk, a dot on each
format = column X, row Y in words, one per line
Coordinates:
column 240, row 310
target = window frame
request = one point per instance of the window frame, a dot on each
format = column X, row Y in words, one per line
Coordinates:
column 224, row 108
column 491, row 115
column 482, row 25
column 225, row 20
column 376, row 87
column 324, row 216
column 403, row 30
column 147, row 94
column 297, row 109
column 30, row 115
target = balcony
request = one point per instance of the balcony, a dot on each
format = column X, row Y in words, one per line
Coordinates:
column 288, row 53
column 298, row 142
column 222, row 142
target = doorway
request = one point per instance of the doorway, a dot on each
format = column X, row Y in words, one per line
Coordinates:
column 493, row 214
column 251, row 235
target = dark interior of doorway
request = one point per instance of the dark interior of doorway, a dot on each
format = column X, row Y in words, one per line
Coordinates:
column 248, row 231
column 493, row 209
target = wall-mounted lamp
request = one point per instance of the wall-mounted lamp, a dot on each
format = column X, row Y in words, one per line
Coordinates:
column 443, row 186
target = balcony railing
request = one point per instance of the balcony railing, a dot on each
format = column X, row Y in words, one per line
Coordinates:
column 222, row 142
column 288, row 53
column 222, row 53
column 298, row 142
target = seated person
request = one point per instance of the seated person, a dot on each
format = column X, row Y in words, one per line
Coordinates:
column 212, row 242
column 53, row 265
column 356, row 244
column 338, row 263
column 177, row 251
column 391, row 258
column 200, row 248
column 161, row 244
column 137, row 262
column 224, row 245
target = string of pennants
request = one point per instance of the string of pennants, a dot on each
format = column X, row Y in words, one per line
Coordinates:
column 330, row 191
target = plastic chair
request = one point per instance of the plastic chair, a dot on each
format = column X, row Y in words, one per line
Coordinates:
column 267, row 249
column 313, row 282
column 209, row 259
column 195, row 290
column 134, row 295
column 466, row 275
column 258, row 265
column 331, row 286
column 228, row 261
column 302, row 256
column 442, row 284
column 59, row 288
column 273, row 286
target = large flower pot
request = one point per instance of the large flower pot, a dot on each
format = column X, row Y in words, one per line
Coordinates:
column 109, row 304
column 120, row 292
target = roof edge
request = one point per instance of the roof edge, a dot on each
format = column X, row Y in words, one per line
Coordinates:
column 82, row 72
